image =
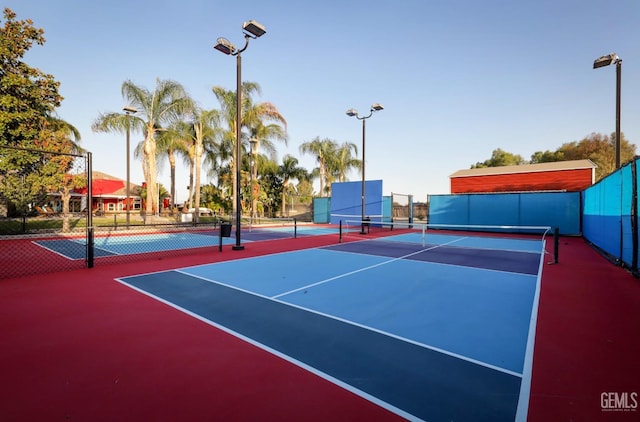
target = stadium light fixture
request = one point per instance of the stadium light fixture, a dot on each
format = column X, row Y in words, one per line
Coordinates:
column 606, row 61
column 251, row 29
column 129, row 110
column 254, row 28
column 225, row 46
column 352, row 112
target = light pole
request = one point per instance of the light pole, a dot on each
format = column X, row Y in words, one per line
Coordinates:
column 129, row 111
column 251, row 29
column 354, row 113
column 606, row 61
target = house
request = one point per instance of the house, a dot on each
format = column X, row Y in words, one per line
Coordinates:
column 109, row 194
column 568, row 176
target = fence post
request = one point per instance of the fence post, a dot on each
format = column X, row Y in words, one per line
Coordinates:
column 556, row 242
column 90, row 245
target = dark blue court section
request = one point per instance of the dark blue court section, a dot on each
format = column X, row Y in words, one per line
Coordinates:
column 429, row 385
column 257, row 235
column 71, row 249
column 490, row 259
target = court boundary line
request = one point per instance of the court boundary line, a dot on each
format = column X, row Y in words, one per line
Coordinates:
column 311, row 369
column 383, row 239
column 356, row 324
column 276, row 297
column 522, row 411
column 68, row 258
column 379, row 264
column 437, row 263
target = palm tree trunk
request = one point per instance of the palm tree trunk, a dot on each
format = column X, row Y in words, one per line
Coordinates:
column 172, row 165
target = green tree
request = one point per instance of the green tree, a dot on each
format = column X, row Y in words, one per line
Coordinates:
column 166, row 104
column 58, row 173
column 546, row 157
column 27, row 95
column 596, row 147
column 324, row 151
column 206, row 129
column 262, row 120
column 28, row 98
column 289, row 169
column 500, row 158
column 343, row 161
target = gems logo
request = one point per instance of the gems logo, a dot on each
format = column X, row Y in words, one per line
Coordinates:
column 619, row 402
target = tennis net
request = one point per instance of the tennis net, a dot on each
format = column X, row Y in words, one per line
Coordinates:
column 455, row 236
column 271, row 228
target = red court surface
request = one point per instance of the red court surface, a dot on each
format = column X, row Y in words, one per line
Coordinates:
column 78, row 345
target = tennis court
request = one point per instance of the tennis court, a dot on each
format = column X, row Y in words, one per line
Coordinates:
column 129, row 243
column 435, row 327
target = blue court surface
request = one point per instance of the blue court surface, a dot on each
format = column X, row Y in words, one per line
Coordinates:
column 439, row 330
column 136, row 243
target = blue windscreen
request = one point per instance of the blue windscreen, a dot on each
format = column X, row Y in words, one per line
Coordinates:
column 346, row 201
column 321, row 210
column 548, row 209
column 602, row 214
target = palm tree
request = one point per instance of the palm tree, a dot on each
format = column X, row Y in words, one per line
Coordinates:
column 254, row 116
column 324, row 151
column 167, row 103
column 206, row 129
column 343, row 161
column 171, row 142
column 289, row 169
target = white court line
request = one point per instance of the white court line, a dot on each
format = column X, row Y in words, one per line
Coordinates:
column 363, row 269
column 275, row 352
column 527, row 373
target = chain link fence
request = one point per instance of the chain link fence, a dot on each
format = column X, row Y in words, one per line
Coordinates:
column 50, row 219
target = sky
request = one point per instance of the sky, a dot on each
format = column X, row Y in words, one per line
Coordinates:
column 457, row 78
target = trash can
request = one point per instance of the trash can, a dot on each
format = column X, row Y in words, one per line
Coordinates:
column 225, row 230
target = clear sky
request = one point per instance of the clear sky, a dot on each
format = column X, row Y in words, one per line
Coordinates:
column 457, row 78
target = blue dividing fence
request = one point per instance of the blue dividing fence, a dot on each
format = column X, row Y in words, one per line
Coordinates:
column 550, row 209
column 605, row 214
column 610, row 215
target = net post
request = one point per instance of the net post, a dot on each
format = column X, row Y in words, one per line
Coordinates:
column 556, row 242
column 90, row 247
column 295, row 228
column 90, row 233
column 340, row 231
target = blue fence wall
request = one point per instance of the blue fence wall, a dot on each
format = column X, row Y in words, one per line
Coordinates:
column 346, row 201
column 321, row 210
column 610, row 216
column 606, row 214
column 549, row 209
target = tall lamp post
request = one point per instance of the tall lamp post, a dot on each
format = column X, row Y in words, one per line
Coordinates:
column 354, row 113
column 251, row 29
column 606, row 61
column 129, row 111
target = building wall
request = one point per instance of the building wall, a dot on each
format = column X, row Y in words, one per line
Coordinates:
column 568, row 180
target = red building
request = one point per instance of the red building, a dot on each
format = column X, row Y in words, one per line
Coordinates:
column 570, row 176
column 109, row 194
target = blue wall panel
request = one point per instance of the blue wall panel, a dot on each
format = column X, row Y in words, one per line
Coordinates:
column 346, row 201
column 561, row 210
column 321, row 210
column 494, row 209
column 548, row 209
column 602, row 214
column 449, row 209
